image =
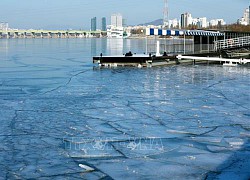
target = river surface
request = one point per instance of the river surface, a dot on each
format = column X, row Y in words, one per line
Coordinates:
column 60, row 118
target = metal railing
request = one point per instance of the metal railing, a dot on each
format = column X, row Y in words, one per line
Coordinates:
column 232, row 43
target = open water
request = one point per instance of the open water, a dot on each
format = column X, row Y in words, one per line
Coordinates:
column 60, row 118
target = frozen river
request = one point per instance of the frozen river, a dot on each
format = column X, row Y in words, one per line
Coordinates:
column 62, row 119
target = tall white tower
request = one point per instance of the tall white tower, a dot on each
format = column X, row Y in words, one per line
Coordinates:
column 165, row 14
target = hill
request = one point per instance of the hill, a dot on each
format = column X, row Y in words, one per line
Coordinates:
column 155, row 23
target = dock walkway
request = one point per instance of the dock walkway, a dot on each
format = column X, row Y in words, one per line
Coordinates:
column 218, row 59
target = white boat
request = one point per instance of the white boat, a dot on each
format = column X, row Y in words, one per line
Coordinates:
column 115, row 32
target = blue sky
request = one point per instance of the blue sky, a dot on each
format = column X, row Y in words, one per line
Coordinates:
column 76, row 14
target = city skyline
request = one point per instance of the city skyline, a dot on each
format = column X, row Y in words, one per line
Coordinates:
column 59, row 14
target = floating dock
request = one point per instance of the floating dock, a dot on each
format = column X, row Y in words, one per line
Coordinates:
column 136, row 60
column 143, row 60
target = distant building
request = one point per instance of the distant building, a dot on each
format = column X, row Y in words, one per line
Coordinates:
column 249, row 15
column 4, row 26
column 189, row 19
column 217, row 22
column 245, row 19
column 195, row 21
column 174, row 23
column 116, row 20
column 183, row 23
column 186, row 20
column 115, row 30
column 124, row 22
column 246, row 16
column 104, row 24
column 202, row 22
column 93, row 24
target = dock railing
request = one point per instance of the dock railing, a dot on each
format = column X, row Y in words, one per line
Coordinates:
column 232, row 43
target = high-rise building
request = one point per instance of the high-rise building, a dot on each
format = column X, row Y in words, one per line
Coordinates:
column 245, row 20
column 189, row 19
column 249, row 15
column 104, row 24
column 124, row 22
column 116, row 30
column 165, row 15
column 186, row 20
column 246, row 16
column 116, row 20
column 182, row 21
column 93, row 24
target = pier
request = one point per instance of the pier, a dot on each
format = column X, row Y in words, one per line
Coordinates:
column 194, row 45
column 50, row 34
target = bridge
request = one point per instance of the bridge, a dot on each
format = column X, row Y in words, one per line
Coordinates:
column 50, row 33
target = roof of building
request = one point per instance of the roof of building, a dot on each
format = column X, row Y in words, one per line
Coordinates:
column 163, row 32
